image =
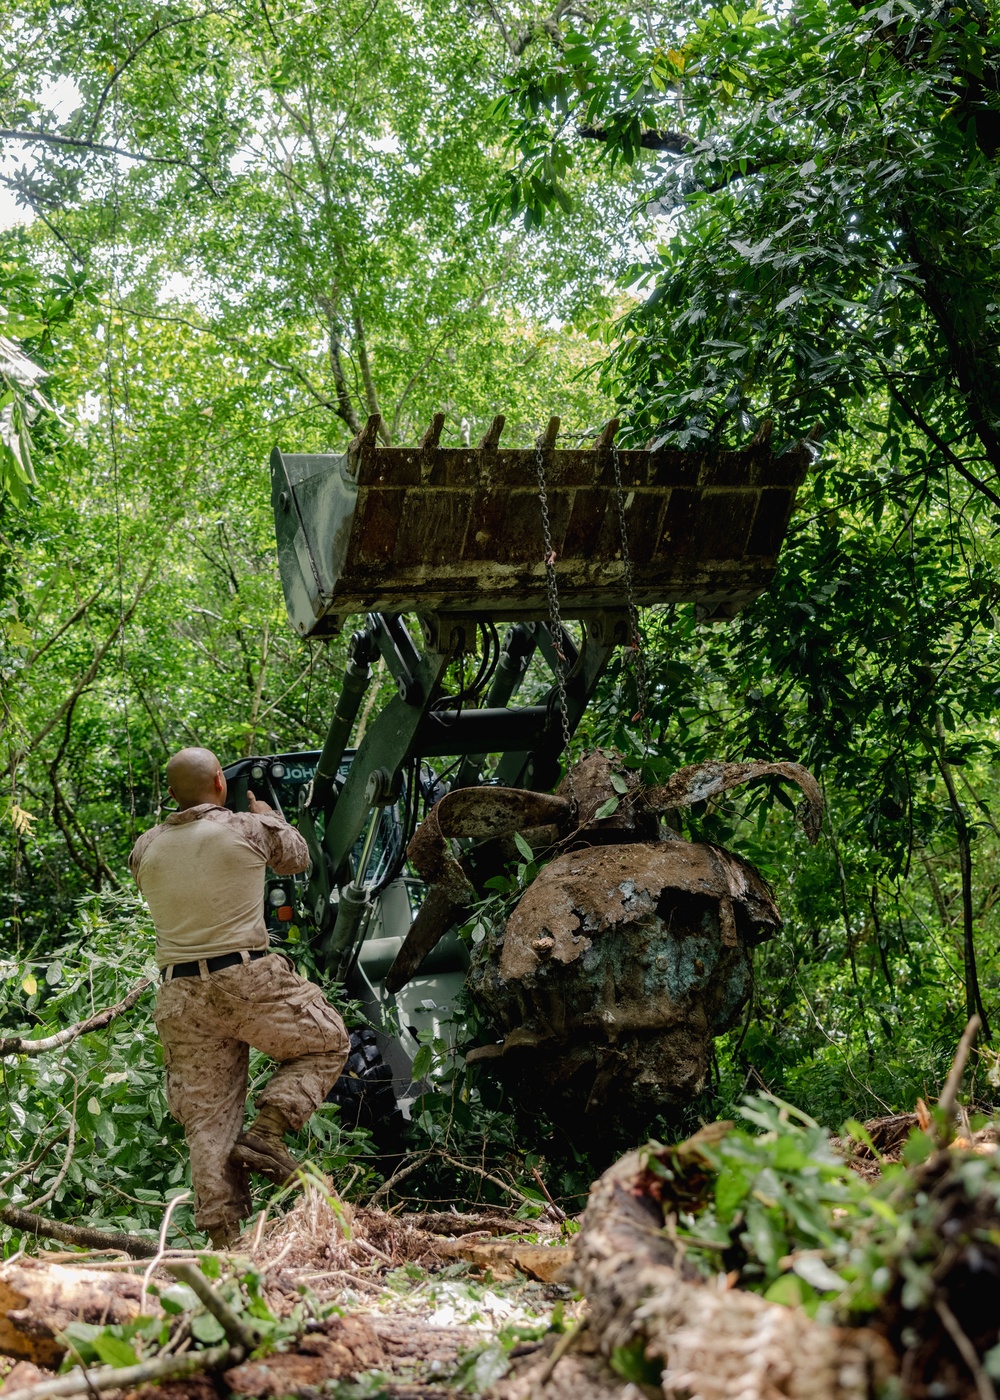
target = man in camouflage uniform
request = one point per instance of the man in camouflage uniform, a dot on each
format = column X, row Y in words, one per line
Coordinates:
column 202, row 874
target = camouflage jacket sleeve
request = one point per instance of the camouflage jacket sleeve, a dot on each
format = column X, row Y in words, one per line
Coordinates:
column 281, row 845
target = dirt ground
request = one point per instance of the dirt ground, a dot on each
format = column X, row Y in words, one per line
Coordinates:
column 401, row 1306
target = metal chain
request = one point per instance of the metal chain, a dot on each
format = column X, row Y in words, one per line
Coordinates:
column 552, row 588
column 638, row 654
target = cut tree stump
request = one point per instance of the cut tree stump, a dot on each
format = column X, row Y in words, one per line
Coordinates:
column 649, row 1311
column 37, row 1300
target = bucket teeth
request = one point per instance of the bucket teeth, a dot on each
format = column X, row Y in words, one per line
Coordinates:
column 429, row 528
column 551, row 432
column 367, row 436
column 432, row 436
column 491, row 438
column 606, row 436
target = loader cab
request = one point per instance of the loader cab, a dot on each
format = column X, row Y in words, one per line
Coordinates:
column 428, row 1003
column 283, row 781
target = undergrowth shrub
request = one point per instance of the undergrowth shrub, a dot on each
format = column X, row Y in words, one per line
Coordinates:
column 105, row 1090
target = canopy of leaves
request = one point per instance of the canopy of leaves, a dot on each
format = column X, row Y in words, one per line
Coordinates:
column 823, row 182
column 258, row 224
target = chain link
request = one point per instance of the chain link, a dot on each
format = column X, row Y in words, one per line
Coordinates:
column 552, row 588
column 637, row 650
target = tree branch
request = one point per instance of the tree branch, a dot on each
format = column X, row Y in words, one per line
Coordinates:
column 548, row 24
column 133, row 54
column 317, row 394
column 125, row 1378
column 676, row 142
column 371, row 396
column 345, row 408
column 949, row 1094
column 60, row 801
column 973, row 997
column 19, row 1045
column 60, row 1177
column 237, row 1332
column 51, row 138
column 94, row 666
column 80, row 1235
column 70, row 622
column 920, row 422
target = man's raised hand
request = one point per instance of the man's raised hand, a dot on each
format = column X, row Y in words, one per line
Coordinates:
column 261, row 809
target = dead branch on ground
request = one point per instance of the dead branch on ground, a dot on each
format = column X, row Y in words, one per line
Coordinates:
column 710, row 1343
column 84, row 1236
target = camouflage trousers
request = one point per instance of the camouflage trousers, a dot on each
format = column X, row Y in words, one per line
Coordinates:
column 207, row 1026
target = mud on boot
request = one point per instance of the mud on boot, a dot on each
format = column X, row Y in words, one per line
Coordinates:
column 262, row 1149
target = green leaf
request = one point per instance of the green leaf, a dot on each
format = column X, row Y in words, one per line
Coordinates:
column 632, row 1364
column 731, row 1189
column 481, row 1371
column 523, row 846
column 788, row 1154
column 919, row 1146
column 618, row 783
column 81, row 1335
column 762, row 1235
column 786, row 1290
column 113, row 1351
column 991, row 1363
column 178, row 1298
column 422, row 1062
column 607, row 809
column 859, row 1133
column 206, row 1328
column 818, row 1274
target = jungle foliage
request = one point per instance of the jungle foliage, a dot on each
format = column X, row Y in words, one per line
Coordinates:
column 774, row 218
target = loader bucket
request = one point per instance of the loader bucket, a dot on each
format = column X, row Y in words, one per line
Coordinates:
column 459, row 530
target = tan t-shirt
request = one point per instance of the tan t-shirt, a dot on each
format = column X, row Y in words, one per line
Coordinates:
column 202, row 874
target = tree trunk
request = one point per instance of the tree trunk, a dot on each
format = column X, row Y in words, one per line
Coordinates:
column 37, row 1300
column 706, row 1342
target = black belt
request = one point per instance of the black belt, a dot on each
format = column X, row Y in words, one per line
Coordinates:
column 193, row 969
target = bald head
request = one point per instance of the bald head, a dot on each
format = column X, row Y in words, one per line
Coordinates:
column 195, row 776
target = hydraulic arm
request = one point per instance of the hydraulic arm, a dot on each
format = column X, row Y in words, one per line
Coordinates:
column 449, row 542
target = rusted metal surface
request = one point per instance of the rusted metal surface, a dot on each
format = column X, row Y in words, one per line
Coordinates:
column 590, row 783
column 486, row 813
column 615, row 972
column 627, row 954
column 587, row 894
column 702, row 781
column 428, row 528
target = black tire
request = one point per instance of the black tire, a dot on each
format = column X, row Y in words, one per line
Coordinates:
column 365, row 1095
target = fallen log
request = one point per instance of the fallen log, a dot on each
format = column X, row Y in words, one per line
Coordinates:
column 446, row 1222
column 651, row 1314
column 81, row 1235
column 120, row 1378
column 505, row 1259
column 38, row 1300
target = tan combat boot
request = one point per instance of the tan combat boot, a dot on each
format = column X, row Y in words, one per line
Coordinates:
column 262, row 1149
